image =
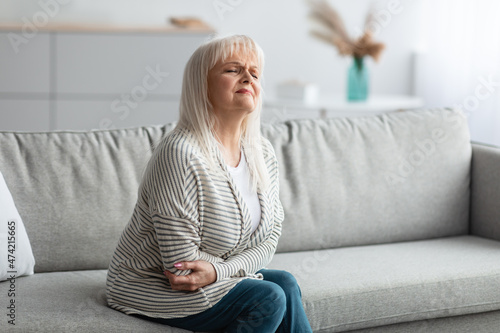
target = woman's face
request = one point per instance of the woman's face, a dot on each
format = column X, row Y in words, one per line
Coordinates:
column 234, row 86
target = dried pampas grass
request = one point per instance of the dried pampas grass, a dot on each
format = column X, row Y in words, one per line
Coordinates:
column 335, row 33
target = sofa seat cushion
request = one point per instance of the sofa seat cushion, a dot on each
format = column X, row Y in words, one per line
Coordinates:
column 369, row 286
column 70, row 302
column 343, row 289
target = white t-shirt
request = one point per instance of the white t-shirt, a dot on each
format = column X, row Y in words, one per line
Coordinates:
column 241, row 177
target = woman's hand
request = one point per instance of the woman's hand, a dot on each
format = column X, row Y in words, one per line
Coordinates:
column 202, row 274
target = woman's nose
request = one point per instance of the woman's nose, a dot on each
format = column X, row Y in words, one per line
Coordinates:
column 247, row 77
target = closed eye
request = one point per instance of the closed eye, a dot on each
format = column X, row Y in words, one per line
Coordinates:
column 236, row 71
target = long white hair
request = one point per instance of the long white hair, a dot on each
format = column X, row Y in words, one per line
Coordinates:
column 196, row 110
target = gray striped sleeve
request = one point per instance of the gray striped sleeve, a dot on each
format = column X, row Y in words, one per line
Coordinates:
column 173, row 201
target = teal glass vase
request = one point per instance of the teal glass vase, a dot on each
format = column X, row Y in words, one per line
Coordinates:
column 357, row 81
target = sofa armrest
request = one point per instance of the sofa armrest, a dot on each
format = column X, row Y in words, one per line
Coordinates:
column 485, row 191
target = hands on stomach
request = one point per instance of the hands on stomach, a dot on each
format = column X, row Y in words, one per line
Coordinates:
column 202, row 274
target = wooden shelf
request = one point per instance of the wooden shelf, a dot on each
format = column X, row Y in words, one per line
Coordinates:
column 108, row 28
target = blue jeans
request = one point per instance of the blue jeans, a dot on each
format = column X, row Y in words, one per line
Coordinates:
column 261, row 306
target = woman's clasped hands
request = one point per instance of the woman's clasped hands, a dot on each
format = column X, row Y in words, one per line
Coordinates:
column 202, row 274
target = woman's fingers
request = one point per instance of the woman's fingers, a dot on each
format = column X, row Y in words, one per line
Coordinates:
column 183, row 283
column 202, row 274
column 185, row 265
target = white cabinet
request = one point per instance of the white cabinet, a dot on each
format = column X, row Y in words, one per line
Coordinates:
column 78, row 80
column 100, row 114
column 25, row 84
column 116, row 63
column 25, row 115
column 26, row 71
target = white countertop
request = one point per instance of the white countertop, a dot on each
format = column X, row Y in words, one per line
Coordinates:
column 375, row 103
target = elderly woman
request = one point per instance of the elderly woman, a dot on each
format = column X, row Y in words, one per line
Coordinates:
column 208, row 215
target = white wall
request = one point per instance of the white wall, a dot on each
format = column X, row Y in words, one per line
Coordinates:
column 460, row 62
column 281, row 27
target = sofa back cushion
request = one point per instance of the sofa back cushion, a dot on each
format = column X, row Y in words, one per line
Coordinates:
column 343, row 182
column 356, row 181
column 75, row 190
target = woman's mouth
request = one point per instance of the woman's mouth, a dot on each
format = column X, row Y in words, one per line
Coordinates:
column 244, row 91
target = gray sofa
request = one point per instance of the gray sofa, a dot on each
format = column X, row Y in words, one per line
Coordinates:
column 392, row 222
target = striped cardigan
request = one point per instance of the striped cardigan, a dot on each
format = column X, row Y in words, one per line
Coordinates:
column 185, row 211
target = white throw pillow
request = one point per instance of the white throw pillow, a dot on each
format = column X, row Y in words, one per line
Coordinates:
column 16, row 256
